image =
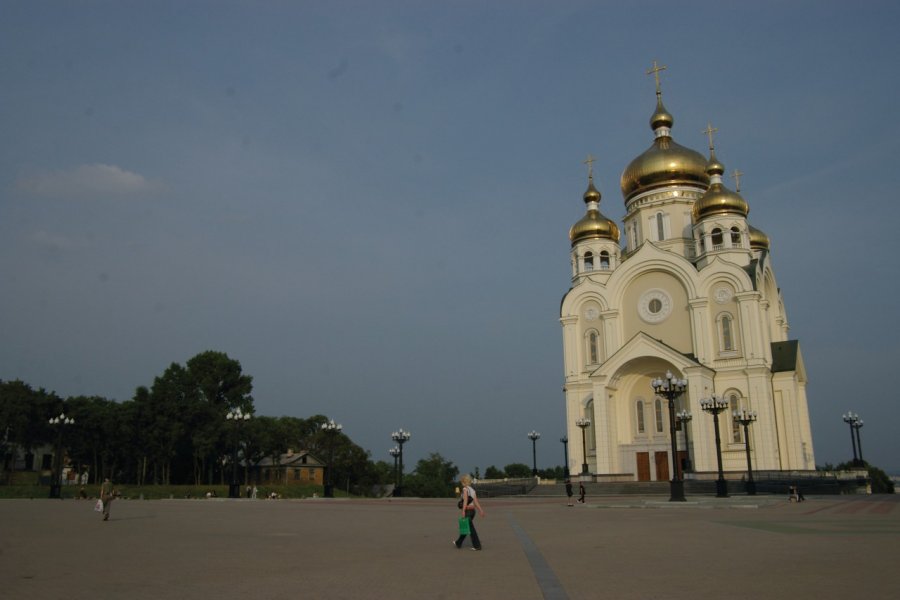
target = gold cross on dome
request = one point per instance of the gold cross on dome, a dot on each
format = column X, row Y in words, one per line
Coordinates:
column 590, row 163
column 709, row 131
column 737, row 179
column 655, row 70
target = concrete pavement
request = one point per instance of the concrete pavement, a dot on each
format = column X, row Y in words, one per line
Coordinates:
column 614, row 547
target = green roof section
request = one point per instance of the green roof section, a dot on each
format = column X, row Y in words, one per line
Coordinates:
column 785, row 355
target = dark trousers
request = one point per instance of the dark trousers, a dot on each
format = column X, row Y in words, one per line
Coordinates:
column 476, row 543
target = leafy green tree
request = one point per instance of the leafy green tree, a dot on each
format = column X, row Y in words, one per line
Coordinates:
column 493, row 472
column 433, row 477
column 517, row 471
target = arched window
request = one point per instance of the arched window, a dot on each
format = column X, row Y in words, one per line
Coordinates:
column 735, row 237
column 588, row 261
column 640, row 417
column 593, row 348
column 727, row 334
column 660, row 227
column 604, row 259
column 659, row 417
column 734, row 404
column 717, row 238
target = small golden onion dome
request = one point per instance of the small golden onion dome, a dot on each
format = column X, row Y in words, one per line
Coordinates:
column 713, row 166
column 593, row 225
column 664, row 163
column 718, row 199
column 758, row 239
column 661, row 117
column 592, row 194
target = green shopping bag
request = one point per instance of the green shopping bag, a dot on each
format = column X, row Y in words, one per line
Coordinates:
column 464, row 526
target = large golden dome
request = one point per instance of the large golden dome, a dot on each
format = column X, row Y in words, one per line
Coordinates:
column 593, row 225
column 718, row 199
column 665, row 162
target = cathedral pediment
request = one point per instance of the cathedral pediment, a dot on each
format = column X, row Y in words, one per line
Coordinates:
column 642, row 347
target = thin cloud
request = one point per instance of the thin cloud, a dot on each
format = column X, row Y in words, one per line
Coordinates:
column 88, row 181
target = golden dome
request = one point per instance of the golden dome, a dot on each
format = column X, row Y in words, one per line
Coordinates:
column 665, row 162
column 758, row 239
column 718, row 199
column 593, row 225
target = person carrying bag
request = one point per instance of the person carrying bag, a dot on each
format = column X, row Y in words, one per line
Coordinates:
column 468, row 504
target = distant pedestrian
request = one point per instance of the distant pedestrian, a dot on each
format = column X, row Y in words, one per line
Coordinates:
column 581, row 492
column 253, row 493
column 107, row 495
column 469, row 504
column 800, row 497
column 248, row 491
column 569, row 491
column 793, row 497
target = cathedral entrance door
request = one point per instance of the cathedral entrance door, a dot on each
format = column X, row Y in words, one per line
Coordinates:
column 643, row 466
column 662, row 465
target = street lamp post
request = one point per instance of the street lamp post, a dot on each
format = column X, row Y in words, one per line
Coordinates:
column 331, row 429
column 852, row 419
column 395, row 452
column 565, row 442
column 60, row 423
column 401, row 437
column 238, row 417
column 583, row 423
column 669, row 388
column 684, row 417
column 715, row 405
column 534, row 436
column 745, row 418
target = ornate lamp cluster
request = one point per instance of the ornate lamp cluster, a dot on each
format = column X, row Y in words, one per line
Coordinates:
column 236, row 416
column 669, row 388
column 59, row 422
column 745, row 418
column 400, row 437
column 583, row 423
column 852, row 419
column 331, row 429
column 534, row 436
column 715, row 405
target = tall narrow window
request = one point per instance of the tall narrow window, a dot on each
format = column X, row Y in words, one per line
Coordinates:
column 659, row 418
column 717, row 238
column 660, row 227
column 604, row 259
column 588, row 261
column 640, row 416
column 593, row 343
column 734, row 404
column 727, row 335
column 735, row 237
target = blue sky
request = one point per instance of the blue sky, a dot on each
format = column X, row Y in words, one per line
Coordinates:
column 367, row 204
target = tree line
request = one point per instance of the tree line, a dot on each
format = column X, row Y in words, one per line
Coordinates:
column 173, row 432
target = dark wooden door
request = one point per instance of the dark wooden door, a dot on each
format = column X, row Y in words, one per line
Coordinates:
column 662, row 466
column 643, row 466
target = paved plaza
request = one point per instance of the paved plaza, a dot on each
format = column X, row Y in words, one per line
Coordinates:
column 617, row 548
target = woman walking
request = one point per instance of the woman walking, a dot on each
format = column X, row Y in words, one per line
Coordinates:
column 469, row 504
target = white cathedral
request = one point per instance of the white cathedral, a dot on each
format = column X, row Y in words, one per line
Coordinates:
column 692, row 291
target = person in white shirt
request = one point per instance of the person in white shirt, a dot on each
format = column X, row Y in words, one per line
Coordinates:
column 468, row 505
